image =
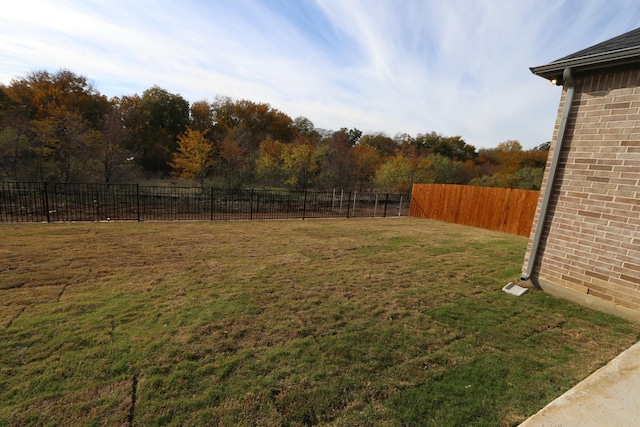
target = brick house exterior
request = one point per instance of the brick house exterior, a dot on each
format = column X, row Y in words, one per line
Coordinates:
column 585, row 240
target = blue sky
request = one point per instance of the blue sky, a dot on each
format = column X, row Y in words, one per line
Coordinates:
column 456, row 67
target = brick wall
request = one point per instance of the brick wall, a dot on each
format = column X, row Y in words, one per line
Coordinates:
column 591, row 240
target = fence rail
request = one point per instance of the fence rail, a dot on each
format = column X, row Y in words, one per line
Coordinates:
column 55, row 202
column 499, row 209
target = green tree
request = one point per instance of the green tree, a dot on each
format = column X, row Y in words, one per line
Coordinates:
column 334, row 160
column 14, row 138
column 399, row 173
column 114, row 152
column 509, row 146
column 545, row 146
column 453, row 147
column 194, row 156
column 529, row 178
column 164, row 116
column 353, row 134
column 439, row 169
column 305, row 128
column 133, row 119
column 14, row 149
column 202, row 116
column 488, row 181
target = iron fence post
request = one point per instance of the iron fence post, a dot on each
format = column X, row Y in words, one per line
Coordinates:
column 304, row 205
column 97, row 207
column 138, row 200
column 211, row 203
column 45, row 199
column 386, row 203
column 251, row 205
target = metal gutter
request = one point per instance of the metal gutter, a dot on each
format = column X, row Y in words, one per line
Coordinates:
column 588, row 62
column 569, row 85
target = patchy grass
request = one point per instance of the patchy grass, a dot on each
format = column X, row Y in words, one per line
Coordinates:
column 286, row 323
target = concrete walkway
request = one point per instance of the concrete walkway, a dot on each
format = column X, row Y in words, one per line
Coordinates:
column 608, row 397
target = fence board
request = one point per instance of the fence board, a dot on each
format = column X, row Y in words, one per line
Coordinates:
column 500, row 209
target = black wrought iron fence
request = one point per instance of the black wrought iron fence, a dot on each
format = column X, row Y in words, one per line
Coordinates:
column 55, row 202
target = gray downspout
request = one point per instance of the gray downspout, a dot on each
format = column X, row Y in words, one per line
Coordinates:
column 568, row 101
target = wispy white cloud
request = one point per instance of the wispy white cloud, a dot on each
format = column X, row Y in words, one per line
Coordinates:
column 455, row 67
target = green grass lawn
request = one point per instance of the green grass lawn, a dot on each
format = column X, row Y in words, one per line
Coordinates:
column 393, row 322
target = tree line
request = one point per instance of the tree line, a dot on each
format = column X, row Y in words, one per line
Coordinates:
column 58, row 127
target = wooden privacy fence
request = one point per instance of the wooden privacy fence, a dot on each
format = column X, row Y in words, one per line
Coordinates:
column 500, row 209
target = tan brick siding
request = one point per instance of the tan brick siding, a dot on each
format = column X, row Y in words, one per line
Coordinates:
column 591, row 240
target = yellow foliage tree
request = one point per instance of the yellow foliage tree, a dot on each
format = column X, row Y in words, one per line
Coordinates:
column 194, row 156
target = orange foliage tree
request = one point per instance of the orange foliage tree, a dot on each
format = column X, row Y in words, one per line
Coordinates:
column 194, row 156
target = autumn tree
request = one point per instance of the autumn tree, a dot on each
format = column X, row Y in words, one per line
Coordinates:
column 509, row 166
column 270, row 163
column 295, row 165
column 366, row 161
column 231, row 165
column 63, row 111
column 241, row 126
column 249, row 123
column 382, row 143
column 299, row 164
column 44, row 94
column 66, row 147
column 57, row 126
column 194, row 156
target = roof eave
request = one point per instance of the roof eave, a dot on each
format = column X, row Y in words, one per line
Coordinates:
column 553, row 70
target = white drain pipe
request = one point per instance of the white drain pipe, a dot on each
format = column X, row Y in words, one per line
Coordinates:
column 569, row 85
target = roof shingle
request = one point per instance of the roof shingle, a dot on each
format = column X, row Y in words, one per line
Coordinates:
column 622, row 50
column 623, row 41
